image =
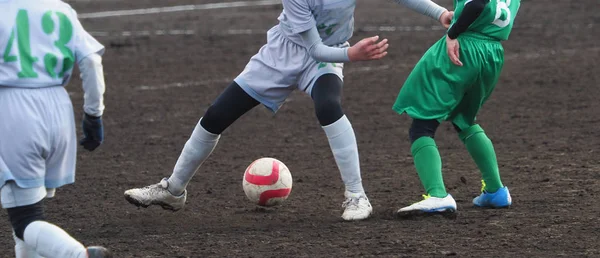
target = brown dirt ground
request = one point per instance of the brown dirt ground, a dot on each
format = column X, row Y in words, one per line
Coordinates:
column 543, row 119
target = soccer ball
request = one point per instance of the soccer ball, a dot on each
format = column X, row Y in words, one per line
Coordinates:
column 267, row 182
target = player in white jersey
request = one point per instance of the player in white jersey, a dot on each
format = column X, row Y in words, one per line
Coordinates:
column 305, row 51
column 40, row 42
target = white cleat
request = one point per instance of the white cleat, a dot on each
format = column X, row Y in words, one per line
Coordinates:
column 156, row 194
column 429, row 206
column 357, row 207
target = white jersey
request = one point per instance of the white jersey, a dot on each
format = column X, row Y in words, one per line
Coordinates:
column 40, row 42
column 333, row 18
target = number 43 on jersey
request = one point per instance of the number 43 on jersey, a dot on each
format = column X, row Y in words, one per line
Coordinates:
column 20, row 39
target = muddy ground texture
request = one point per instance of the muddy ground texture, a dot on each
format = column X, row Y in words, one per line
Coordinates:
column 161, row 77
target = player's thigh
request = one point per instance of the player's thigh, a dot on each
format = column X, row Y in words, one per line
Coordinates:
column 24, row 142
column 314, row 70
column 489, row 57
column 60, row 162
column 270, row 75
column 12, row 195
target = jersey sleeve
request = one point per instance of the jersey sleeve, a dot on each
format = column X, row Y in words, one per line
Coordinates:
column 298, row 14
column 319, row 51
column 470, row 13
column 85, row 44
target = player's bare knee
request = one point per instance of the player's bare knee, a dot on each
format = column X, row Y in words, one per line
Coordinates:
column 422, row 128
column 21, row 217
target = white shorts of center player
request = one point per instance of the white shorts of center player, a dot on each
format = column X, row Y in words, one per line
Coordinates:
column 309, row 43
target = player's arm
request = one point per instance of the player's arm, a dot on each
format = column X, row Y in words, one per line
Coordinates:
column 428, row 8
column 364, row 50
column 321, row 52
column 88, row 52
column 92, row 76
column 470, row 13
column 303, row 22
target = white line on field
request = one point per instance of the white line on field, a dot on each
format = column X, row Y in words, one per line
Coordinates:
column 227, row 80
column 182, row 84
column 234, row 32
column 519, row 56
column 141, row 33
column 178, row 8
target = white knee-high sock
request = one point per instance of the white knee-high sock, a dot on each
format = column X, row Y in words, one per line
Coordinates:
column 22, row 250
column 49, row 240
column 345, row 151
column 196, row 150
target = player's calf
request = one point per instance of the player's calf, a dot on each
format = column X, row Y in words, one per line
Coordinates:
column 46, row 239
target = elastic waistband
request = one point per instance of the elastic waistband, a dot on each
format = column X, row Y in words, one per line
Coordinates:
column 478, row 36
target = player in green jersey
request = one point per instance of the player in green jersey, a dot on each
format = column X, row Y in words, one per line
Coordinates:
column 451, row 82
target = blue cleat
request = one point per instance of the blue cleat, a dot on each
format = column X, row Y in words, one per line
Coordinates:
column 499, row 199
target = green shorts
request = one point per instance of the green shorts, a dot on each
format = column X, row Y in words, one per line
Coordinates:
column 437, row 89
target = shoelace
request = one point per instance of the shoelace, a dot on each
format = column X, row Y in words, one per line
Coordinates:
column 350, row 202
column 151, row 189
column 425, row 197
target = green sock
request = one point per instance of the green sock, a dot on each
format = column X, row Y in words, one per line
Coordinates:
column 429, row 166
column 482, row 151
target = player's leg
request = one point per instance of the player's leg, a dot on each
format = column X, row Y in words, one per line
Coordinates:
column 264, row 80
column 49, row 161
column 227, row 108
column 326, row 94
column 34, row 236
column 478, row 144
column 430, row 94
column 170, row 193
column 22, row 250
column 480, row 147
column 428, row 164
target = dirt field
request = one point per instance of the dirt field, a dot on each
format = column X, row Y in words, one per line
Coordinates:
column 164, row 69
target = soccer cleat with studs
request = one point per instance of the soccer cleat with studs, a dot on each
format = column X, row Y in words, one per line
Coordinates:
column 357, row 207
column 429, row 206
column 156, row 194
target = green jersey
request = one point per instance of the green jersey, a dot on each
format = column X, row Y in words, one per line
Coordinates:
column 496, row 20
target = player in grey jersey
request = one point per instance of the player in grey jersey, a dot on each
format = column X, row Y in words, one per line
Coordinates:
column 306, row 51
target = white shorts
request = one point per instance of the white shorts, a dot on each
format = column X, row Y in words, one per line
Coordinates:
column 38, row 144
column 11, row 195
column 280, row 67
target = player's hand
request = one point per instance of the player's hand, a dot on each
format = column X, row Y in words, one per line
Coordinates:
column 452, row 47
column 93, row 132
column 446, row 18
column 368, row 49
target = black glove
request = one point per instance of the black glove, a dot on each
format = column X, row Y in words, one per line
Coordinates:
column 93, row 132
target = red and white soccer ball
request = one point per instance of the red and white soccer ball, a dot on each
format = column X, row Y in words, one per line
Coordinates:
column 267, row 182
